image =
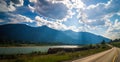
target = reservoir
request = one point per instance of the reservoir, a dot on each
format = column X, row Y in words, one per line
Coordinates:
column 30, row 49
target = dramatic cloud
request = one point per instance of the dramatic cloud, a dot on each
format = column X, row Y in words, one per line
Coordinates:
column 18, row 2
column 6, row 6
column 17, row 18
column 49, row 9
column 101, row 9
column 1, row 20
column 57, row 9
column 100, row 17
column 94, row 2
column 33, row 1
column 114, row 30
column 96, row 22
column 54, row 25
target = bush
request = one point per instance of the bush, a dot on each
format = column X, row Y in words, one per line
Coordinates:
column 61, row 53
column 20, row 60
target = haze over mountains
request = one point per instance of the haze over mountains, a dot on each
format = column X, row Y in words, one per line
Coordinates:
column 47, row 35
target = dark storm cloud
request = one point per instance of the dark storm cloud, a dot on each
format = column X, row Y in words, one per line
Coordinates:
column 51, row 10
column 16, row 1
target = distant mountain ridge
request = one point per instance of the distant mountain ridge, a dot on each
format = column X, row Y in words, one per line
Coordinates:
column 45, row 34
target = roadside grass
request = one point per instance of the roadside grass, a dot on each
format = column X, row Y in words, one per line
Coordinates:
column 57, row 57
column 116, row 44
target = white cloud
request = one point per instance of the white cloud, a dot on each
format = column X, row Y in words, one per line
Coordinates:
column 107, row 17
column 69, row 15
column 70, row 4
column 33, row 1
column 101, row 9
column 114, row 30
column 1, row 20
column 31, row 8
column 84, row 18
column 74, row 4
column 91, row 6
column 59, row 26
column 105, row 5
column 108, row 4
column 51, row 24
column 99, row 15
column 112, row 35
column 78, row 4
column 94, row 18
column 5, row 7
column 54, row 25
column 118, row 13
column 17, row 18
column 95, row 6
column 18, row 2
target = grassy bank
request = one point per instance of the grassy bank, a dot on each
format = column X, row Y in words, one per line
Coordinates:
column 116, row 44
column 57, row 57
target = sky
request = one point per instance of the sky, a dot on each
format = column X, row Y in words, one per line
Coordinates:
column 101, row 17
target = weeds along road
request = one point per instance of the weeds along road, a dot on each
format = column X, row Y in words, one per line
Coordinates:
column 111, row 55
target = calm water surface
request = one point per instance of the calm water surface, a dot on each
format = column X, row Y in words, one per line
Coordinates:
column 30, row 49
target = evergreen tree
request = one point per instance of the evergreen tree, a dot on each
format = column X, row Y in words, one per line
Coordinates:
column 103, row 42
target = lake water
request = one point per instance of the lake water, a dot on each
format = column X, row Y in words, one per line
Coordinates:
column 30, row 49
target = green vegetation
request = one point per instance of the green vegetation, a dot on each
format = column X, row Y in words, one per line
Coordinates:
column 103, row 42
column 115, row 42
column 57, row 57
column 21, row 43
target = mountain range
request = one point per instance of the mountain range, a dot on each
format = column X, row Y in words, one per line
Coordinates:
column 45, row 34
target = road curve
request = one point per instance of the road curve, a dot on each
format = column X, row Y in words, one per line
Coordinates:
column 111, row 55
column 118, row 55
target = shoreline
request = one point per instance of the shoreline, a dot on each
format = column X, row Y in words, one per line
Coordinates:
column 36, row 46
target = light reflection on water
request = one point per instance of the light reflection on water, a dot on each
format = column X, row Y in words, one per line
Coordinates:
column 30, row 49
